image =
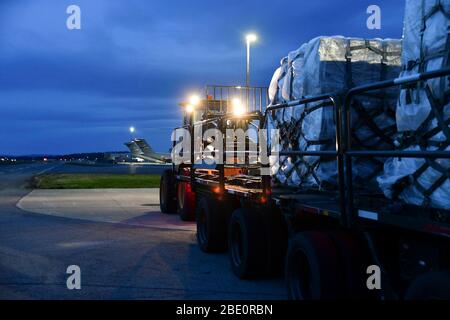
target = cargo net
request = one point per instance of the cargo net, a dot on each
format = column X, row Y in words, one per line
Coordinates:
column 311, row 127
column 423, row 111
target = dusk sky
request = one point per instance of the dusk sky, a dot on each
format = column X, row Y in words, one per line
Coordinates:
column 66, row 91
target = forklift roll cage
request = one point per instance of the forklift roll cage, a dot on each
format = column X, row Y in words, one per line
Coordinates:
column 382, row 210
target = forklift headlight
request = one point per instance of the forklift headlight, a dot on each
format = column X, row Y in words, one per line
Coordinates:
column 238, row 107
column 189, row 108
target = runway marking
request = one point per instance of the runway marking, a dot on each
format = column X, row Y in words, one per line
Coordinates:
column 46, row 170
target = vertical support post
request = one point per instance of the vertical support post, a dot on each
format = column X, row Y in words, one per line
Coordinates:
column 348, row 162
column 192, row 171
column 247, row 78
column 337, row 104
column 222, row 165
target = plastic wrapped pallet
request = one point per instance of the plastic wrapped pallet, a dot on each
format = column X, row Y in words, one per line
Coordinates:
column 423, row 111
column 327, row 65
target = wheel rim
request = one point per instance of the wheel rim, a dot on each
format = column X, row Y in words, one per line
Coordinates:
column 202, row 228
column 299, row 280
column 236, row 244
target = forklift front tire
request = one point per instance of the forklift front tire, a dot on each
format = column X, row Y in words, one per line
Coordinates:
column 167, row 199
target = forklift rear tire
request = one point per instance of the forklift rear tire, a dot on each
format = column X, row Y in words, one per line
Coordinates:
column 167, row 200
column 211, row 225
column 247, row 244
column 185, row 201
column 311, row 270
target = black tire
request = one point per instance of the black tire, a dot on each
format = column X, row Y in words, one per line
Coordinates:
column 211, row 225
column 167, row 200
column 277, row 240
column 311, row 269
column 353, row 262
column 247, row 244
column 185, row 202
column 430, row 286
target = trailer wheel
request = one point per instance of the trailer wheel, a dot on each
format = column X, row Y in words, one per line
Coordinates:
column 311, row 267
column 277, row 236
column 353, row 262
column 211, row 226
column 185, row 201
column 247, row 244
column 167, row 201
column 430, row 286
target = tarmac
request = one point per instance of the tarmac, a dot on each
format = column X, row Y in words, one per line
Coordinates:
column 125, row 248
column 139, row 207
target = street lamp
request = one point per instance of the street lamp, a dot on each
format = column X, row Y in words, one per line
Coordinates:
column 249, row 39
column 132, row 130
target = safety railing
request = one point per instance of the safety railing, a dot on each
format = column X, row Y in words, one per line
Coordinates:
column 346, row 142
column 221, row 98
column 327, row 100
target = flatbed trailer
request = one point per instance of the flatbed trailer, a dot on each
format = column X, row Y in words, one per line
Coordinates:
column 343, row 243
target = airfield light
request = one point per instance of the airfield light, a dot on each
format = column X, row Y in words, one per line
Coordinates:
column 238, row 107
column 194, row 100
column 251, row 37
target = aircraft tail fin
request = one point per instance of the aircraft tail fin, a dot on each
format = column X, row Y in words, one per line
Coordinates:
column 134, row 148
column 145, row 147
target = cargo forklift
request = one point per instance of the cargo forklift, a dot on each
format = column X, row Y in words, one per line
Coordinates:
column 334, row 244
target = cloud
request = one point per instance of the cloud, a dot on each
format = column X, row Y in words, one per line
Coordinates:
column 134, row 60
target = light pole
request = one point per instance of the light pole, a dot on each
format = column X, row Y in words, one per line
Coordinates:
column 132, row 130
column 249, row 38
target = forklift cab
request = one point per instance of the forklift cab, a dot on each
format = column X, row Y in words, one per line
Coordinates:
column 223, row 101
column 203, row 109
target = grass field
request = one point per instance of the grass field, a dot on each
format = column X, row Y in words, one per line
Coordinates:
column 94, row 181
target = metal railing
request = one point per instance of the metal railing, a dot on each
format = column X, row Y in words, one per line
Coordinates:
column 327, row 99
column 349, row 152
column 221, row 97
column 343, row 135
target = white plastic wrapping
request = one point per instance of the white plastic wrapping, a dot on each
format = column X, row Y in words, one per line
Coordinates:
column 321, row 66
column 417, row 56
column 425, row 37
